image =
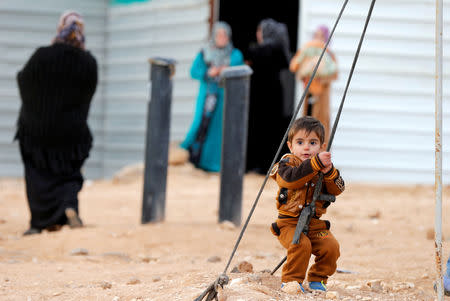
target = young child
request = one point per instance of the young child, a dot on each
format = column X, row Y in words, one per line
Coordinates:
column 296, row 175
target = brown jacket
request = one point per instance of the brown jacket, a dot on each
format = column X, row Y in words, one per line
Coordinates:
column 297, row 179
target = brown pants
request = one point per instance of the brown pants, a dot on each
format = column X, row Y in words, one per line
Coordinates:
column 319, row 242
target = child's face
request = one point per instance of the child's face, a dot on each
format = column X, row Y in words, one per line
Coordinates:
column 305, row 146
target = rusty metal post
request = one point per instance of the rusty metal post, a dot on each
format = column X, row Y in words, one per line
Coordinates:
column 438, row 150
column 157, row 140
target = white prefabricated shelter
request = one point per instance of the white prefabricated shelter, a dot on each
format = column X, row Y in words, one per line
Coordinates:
column 386, row 132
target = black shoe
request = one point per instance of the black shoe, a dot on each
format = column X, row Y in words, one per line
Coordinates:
column 73, row 220
column 32, row 231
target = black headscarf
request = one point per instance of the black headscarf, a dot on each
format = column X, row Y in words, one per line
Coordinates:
column 274, row 32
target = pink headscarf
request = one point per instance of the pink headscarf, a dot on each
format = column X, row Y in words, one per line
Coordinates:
column 325, row 31
column 70, row 30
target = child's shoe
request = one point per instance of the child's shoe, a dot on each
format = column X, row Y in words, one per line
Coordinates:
column 317, row 286
column 283, row 284
column 447, row 285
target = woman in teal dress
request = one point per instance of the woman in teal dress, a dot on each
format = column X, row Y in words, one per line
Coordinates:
column 204, row 138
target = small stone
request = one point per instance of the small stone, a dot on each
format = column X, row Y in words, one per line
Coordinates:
column 375, row 285
column 116, row 298
column 366, row 299
column 358, row 297
column 34, row 260
column 156, row 279
column 236, row 281
column 105, row 285
column 332, row 295
column 425, row 276
column 235, row 270
column 57, row 294
column 59, row 269
column 2, row 221
column 6, row 279
column 214, row 259
column 146, row 258
column 266, row 271
column 227, row 225
column 245, row 267
column 133, row 280
column 409, row 285
column 402, row 286
column 291, row 288
column 376, row 214
column 79, row 252
column 353, row 287
column 118, row 255
column 255, row 278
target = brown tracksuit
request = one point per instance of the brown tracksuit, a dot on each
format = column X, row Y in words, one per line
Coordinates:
column 296, row 180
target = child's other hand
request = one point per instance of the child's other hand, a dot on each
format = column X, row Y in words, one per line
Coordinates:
column 325, row 158
column 213, row 71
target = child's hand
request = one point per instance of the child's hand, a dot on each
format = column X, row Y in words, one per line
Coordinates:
column 325, row 158
column 326, row 169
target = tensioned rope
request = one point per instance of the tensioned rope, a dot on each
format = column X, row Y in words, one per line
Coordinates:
column 211, row 291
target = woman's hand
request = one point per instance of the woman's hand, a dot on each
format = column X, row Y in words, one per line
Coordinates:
column 213, row 71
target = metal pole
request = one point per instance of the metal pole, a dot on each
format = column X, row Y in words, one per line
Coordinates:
column 157, row 140
column 438, row 150
column 234, row 141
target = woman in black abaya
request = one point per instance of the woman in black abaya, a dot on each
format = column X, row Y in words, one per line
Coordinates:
column 266, row 119
column 56, row 87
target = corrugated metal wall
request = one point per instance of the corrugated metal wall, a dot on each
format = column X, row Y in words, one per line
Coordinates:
column 122, row 38
column 24, row 26
column 170, row 28
column 387, row 129
column 386, row 132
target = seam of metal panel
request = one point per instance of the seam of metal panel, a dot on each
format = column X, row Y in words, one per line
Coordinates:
column 143, row 26
column 134, row 61
column 382, row 36
column 52, row 12
column 376, row 19
column 153, row 43
column 154, row 6
column 42, row 29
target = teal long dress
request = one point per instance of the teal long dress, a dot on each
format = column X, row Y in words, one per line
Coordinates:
column 210, row 159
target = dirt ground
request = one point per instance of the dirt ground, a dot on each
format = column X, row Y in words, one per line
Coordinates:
column 385, row 233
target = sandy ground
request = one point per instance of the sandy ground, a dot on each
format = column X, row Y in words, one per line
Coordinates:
column 384, row 232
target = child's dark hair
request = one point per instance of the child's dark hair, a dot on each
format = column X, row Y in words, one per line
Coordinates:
column 309, row 124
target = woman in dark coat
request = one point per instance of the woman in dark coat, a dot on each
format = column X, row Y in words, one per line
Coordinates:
column 266, row 119
column 56, row 87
